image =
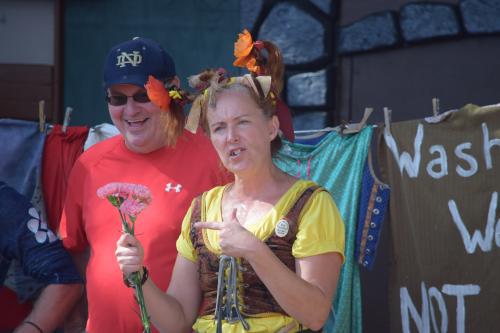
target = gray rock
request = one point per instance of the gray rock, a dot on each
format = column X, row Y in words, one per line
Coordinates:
column 421, row 21
column 298, row 35
column 373, row 32
column 324, row 5
column 307, row 89
column 309, row 120
column 481, row 16
column 249, row 11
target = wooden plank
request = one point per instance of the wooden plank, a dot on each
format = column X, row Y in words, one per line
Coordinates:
column 57, row 80
column 26, row 110
column 33, row 74
column 26, row 92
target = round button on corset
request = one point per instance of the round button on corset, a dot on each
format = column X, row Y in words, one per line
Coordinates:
column 282, row 228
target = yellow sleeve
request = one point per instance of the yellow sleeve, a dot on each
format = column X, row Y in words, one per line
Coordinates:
column 184, row 246
column 321, row 229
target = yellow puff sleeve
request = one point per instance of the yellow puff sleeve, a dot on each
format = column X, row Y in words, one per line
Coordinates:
column 184, row 246
column 321, row 229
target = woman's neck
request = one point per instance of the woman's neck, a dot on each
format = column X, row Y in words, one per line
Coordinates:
column 262, row 185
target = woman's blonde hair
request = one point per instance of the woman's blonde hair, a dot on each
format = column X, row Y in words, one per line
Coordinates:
column 213, row 82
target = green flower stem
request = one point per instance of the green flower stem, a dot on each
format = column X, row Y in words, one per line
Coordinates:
column 125, row 225
column 135, row 278
column 132, row 220
column 140, row 300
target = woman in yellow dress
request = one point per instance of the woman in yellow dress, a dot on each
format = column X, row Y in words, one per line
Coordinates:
column 261, row 254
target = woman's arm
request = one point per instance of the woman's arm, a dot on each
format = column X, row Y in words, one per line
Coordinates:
column 176, row 310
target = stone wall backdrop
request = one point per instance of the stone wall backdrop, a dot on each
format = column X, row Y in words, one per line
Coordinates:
column 401, row 54
column 344, row 56
column 305, row 31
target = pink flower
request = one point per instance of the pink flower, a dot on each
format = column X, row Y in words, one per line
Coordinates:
column 114, row 189
column 141, row 193
column 124, row 190
column 135, row 197
column 132, row 207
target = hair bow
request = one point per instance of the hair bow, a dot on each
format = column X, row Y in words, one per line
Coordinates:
column 210, row 80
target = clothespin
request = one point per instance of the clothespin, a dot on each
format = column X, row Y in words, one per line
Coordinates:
column 67, row 118
column 435, row 106
column 366, row 115
column 41, row 115
column 387, row 119
column 355, row 128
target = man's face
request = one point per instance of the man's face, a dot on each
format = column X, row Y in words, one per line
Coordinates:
column 139, row 122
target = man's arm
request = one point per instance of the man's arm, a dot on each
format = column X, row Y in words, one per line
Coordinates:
column 54, row 303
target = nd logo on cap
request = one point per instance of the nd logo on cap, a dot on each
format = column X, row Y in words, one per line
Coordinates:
column 132, row 62
column 134, row 59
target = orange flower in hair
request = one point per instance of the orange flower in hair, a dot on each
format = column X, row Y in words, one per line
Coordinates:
column 157, row 93
column 243, row 52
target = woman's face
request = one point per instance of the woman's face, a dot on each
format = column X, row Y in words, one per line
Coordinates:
column 241, row 133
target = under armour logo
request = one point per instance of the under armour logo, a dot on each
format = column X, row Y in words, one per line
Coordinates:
column 177, row 187
column 133, row 58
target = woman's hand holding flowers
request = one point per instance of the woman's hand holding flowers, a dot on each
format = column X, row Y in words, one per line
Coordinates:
column 129, row 254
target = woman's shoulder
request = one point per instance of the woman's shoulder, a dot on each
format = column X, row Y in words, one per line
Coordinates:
column 316, row 194
column 213, row 194
column 302, row 184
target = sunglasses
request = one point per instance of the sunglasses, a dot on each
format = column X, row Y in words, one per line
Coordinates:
column 118, row 100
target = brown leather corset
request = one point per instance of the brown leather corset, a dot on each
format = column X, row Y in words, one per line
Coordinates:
column 254, row 296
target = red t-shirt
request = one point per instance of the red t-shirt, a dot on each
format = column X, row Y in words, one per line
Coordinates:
column 174, row 176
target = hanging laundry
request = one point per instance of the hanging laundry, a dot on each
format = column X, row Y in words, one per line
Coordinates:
column 21, row 154
column 312, row 139
column 337, row 164
column 445, row 180
column 20, row 167
column 99, row 133
column 373, row 202
column 61, row 151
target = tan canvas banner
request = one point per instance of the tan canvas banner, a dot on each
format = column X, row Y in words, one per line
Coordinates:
column 445, row 222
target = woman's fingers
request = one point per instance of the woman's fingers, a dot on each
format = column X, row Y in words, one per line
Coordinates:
column 129, row 254
column 128, row 258
column 209, row 225
column 128, row 269
column 127, row 240
column 128, row 251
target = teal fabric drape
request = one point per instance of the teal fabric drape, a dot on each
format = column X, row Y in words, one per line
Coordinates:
column 337, row 164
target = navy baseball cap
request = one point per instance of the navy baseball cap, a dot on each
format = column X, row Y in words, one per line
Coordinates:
column 132, row 62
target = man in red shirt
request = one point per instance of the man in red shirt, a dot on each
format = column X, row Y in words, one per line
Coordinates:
column 153, row 150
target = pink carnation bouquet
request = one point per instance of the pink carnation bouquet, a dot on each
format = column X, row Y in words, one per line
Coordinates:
column 130, row 200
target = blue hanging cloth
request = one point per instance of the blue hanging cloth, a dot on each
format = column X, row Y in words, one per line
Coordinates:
column 21, row 155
